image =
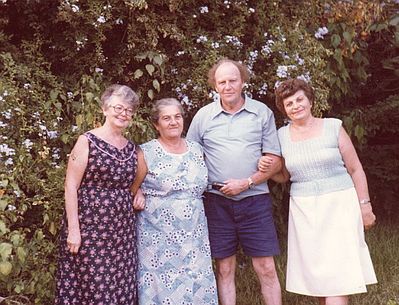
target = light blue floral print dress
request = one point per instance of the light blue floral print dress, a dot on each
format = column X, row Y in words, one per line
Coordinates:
column 175, row 264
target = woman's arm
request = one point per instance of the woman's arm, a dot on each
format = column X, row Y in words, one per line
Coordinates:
column 139, row 200
column 355, row 170
column 76, row 167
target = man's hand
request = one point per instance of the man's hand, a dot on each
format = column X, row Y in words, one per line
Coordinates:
column 234, row 187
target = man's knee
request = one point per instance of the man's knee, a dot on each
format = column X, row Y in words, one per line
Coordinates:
column 225, row 268
column 264, row 267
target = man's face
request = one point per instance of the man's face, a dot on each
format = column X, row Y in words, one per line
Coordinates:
column 228, row 83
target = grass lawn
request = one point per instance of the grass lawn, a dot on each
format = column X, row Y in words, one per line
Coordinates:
column 383, row 242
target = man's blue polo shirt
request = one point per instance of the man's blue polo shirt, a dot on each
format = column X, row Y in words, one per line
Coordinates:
column 233, row 143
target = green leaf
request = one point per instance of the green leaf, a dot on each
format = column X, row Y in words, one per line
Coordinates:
column 52, row 228
column 5, row 268
column 380, row 27
column 138, row 73
column 89, row 96
column 156, row 85
column 21, row 254
column 65, row 138
column 16, row 238
column 359, row 132
column 4, row 183
column 158, row 60
column 79, row 120
column 150, row 69
column 394, row 21
column 347, row 37
column 150, row 94
column 18, row 288
column 53, row 94
column 39, row 234
column 3, row 228
column 3, row 204
column 5, row 250
column 335, row 40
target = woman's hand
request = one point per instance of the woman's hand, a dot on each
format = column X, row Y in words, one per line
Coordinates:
column 265, row 164
column 74, row 240
column 367, row 215
column 139, row 200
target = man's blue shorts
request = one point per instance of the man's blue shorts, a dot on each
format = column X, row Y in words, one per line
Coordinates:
column 248, row 222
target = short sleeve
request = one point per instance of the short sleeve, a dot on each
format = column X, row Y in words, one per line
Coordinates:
column 270, row 142
column 194, row 133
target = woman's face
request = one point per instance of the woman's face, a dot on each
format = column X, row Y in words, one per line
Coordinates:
column 297, row 106
column 118, row 113
column 170, row 123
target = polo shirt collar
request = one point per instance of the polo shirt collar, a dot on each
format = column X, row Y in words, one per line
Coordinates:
column 248, row 106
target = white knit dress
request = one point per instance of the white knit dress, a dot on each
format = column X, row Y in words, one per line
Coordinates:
column 327, row 253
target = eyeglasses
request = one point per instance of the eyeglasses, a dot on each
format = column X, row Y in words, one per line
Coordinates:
column 119, row 109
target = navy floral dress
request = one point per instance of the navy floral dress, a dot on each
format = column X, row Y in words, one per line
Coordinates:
column 104, row 270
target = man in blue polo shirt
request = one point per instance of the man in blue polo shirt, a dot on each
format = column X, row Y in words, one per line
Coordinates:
column 234, row 133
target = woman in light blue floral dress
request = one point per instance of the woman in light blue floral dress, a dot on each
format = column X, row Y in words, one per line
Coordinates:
column 175, row 264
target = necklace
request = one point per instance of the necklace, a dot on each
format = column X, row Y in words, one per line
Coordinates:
column 121, row 161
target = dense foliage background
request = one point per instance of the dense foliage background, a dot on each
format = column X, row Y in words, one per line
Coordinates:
column 56, row 57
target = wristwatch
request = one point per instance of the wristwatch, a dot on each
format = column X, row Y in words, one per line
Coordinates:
column 251, row 184
column 364, row 201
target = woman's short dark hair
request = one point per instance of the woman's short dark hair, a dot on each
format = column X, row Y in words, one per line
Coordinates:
column 124, row 92
column 244, row 73
column 162, row 103
column 290, row 87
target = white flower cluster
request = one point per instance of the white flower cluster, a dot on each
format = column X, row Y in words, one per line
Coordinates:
column 8, row 152
column 227, row 3
column 283, row 71
column 6, row 114
column 81, row 43
column 267, row 47
column 215, row 45
column 51, row 134
column 299, row 60
column 202, row 38
column 321, row 32
column 181, row 94
column 253, row 55
column 75, row 8
column 2, row 97
column 28, row 144
column 214, row 96
column 119, row 21
column 263, row 89
column 101, row 19
column 233, row 40
column 306, row 77
column 56, row 153
column 203, row 9
column 5, row 149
